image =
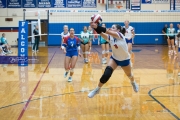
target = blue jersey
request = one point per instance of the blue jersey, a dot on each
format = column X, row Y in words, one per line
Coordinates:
column 71, row 44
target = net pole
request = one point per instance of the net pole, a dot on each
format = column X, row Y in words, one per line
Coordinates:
column 24, row 14
column 39, row 22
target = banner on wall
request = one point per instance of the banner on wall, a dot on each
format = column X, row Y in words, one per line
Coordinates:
column 44, row 3
column 2, row 3
column 89, row 3
column 161, row 1
column 146, row 1
column 74, row 3
column 14, row 3
column 23, row 43
column 29, row 4
column 59, row 3
column 136, row 5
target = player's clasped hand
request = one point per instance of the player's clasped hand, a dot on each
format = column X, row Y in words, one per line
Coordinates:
column 64, row 51
column 79, row 54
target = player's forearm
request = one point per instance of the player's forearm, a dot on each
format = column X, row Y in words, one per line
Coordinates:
column 104, row 36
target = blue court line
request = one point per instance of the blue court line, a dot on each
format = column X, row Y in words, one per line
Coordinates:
column 153, row 97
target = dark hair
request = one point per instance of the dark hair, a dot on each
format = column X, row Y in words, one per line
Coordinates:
column 84, row 27
column 178, row 35
column 120, row 28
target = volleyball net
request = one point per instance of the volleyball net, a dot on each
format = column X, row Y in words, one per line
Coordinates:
column 148, row 25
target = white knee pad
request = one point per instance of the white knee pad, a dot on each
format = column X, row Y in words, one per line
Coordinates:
column 169, row 46
column 87, row 52
column 72, row 70
column 107, row 51
column 103, row 52
column 173, row 46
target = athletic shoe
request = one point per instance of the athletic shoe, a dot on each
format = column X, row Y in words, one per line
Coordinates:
column 70, row 79
column 104, row 61
column 65, row 74
column 135, row 86
column 3, row 53
column 86, row 60
column 9, row 52
column 94, row 92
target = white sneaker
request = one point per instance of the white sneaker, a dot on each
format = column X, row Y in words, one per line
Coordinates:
column 135, row 86
column 86, row 60
column 94, row 92
column 70, row 79
column 104, row 61
column 65, row 74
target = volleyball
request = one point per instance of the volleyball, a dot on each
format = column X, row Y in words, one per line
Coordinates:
column 96, row 18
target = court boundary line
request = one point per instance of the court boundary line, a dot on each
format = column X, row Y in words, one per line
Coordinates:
column 162, row 105
column 44, row 97
column 34, row 90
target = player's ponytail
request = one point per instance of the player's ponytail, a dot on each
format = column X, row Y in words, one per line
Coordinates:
column 123, row 30
column 120, row 29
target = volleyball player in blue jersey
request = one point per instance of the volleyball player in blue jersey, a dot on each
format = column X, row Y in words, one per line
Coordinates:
column 71, row 47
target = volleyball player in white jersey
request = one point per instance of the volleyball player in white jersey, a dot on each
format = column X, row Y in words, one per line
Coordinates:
column 129, row 35
column 90, row 30
column 64, row 34
column 171, row 36
column 85, row 38
column 177, row 39
column 120, row 55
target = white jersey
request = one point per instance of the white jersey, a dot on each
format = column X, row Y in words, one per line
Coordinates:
column 64, row 34
column 178, row 31
column 119, row 48
column 129, row 31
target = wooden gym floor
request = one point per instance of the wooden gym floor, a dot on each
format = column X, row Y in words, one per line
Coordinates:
column 40, row 92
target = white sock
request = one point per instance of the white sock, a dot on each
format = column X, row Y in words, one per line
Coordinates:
column 97, row 88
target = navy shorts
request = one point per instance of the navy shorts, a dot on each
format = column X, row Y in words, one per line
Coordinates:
column 121, row 63
column 71, row 53
column 104, row 43
column 128, row 41
column 84, row 43
column 171, row 37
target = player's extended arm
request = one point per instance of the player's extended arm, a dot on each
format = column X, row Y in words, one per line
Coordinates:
column 105, row 36
column 100, row 29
